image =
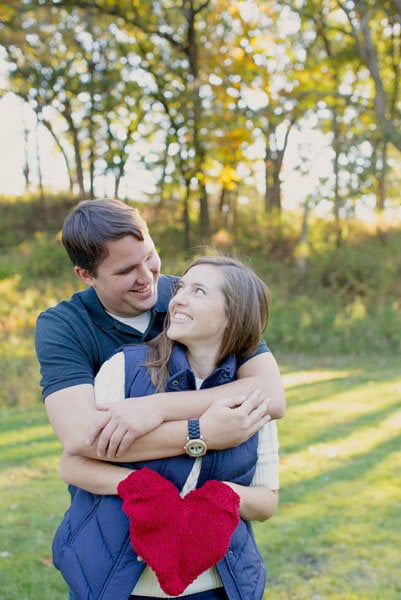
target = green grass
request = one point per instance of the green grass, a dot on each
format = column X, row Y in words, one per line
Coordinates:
column 32, row 502
column 336, row 534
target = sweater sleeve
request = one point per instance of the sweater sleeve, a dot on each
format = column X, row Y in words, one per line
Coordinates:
column 109, row 382
column 266, row 473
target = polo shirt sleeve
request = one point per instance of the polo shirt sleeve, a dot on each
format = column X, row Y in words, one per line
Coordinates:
column 109, row 382
column 261, row 349
column 266, row 473
column 64, row 361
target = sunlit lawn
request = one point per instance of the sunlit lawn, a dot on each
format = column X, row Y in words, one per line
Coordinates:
column 337, row 534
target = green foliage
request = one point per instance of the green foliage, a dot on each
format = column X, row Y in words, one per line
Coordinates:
column 319, row 324
column 343, row 301
column 23, row 216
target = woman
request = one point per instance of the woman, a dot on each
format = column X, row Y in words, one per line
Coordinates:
column 218, row 313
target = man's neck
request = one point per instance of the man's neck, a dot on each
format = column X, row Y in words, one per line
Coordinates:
column 139, row 322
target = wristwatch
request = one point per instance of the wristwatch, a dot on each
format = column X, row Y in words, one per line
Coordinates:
column 195, row 445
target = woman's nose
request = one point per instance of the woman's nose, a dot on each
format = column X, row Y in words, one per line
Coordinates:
column 180, row 298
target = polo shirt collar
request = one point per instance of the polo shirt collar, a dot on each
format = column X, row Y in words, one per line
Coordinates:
column 98, row 314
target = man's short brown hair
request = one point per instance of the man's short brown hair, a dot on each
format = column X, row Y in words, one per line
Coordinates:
column 92, row 223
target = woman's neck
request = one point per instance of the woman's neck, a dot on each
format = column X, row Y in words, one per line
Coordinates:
column 203, row 362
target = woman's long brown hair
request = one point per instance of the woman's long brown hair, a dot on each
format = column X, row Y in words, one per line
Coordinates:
column 247, row 305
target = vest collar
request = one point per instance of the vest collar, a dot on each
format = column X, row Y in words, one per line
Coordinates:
column 182, row 376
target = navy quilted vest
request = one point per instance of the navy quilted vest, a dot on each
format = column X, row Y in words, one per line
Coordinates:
column 92, row 547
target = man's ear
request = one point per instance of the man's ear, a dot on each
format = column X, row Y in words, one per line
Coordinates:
column 85, row 276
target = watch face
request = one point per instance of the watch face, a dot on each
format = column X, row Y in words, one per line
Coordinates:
column 196, row 447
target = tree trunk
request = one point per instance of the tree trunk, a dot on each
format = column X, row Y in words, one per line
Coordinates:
column 187, row 225
column 59, row 145
column 369, row 56
column 336, row 168
column 91, row 129
column 78, row 161
column 381, row 179
column 274, row 158
column 302, row 260
column 26, row 168
column 192, row 54
column 39, row 164
column 272, row 182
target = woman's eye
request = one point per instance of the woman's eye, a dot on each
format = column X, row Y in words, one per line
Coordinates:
column 199, row 291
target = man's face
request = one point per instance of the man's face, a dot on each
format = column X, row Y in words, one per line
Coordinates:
column 126, row 280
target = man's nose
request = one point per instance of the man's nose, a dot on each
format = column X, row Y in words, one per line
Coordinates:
column 144, row 273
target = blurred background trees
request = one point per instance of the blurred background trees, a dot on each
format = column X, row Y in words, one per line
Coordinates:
column 205, row 96
column 201, row 112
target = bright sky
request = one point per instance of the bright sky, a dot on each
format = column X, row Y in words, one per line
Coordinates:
column 15, row 118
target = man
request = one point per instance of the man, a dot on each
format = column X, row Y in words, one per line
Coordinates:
column 125, row 302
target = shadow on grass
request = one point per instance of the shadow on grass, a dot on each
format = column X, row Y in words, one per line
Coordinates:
column 355, row 467
column 310, row 392
column 339, row 430
column 23, row 452
column 15, row 419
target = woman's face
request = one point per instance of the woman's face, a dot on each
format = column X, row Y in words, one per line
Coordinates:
column 197, row 310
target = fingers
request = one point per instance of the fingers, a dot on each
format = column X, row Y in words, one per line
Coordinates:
column 128, row 439
column 117, row 429
column 111, row 437
column 229, row 422
column 108, row 439
column 119, row 443
column 97, row 427
column 230, row 402
column 255, row 405
column 254, row 412
column 257, row 425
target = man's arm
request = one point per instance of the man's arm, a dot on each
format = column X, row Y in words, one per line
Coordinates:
column 122, row 424
column 227, row 422
column 94, row 476
column 262, row 372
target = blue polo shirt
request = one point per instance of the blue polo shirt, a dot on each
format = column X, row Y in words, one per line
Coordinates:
column 74, row 338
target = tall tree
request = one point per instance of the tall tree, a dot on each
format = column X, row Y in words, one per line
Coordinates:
column 375, row 30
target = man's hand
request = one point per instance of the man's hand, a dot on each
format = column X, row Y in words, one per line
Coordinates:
column 231, row 421
column 119, row 424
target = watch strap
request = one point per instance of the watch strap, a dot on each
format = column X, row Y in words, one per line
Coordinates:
column 193, row 429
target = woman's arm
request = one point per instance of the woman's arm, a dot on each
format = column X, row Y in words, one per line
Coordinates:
column 257, row 503
column 262, row 372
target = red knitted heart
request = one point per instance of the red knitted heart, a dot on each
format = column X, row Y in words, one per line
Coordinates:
column 179, row 538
